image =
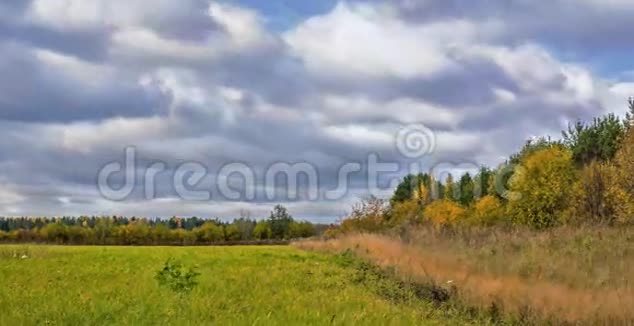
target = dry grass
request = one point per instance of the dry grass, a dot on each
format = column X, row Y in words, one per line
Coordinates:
column 564, row 275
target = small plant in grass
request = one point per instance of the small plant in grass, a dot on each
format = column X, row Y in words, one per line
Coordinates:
column 176, row 277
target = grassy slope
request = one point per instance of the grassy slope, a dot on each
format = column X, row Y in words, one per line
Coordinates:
column 561, row 275
column 238, row 285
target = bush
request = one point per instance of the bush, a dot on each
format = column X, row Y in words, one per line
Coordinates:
column 444, row 212
column 541, row 188
column 367, row 216
column 176, row 277
column 487, row 211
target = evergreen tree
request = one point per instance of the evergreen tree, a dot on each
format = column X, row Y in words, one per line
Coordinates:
column 467, row 187
column 280, row 221
column 598, row 140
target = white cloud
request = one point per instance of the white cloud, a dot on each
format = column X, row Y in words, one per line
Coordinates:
column 328, row 90
column 354, row 40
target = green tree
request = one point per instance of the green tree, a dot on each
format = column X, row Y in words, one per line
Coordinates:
column 410, row 184
column 598, row 140
column 54, row 233
column 280, row 221
column 232, row 233
column 209, row 232
column 302, row 229
column 103, row 229
column 482, row 181
column 262, row 230
column 245, row 227
column 629, row 116
column 467, row 190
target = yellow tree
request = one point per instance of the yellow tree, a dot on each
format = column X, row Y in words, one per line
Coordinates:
column 542, row 186
column 450, row 188
column 444, row 212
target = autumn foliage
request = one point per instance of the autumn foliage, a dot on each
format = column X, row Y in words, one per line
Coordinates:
column 585, row 178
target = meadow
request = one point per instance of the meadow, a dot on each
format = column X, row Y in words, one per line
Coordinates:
column 561, row 276
column 263, row 285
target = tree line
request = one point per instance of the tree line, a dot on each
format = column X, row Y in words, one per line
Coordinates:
column 585, row 177
column 279, row 226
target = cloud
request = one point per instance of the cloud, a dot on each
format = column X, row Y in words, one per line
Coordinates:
column 208, row 82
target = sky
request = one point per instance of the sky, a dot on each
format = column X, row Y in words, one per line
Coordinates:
column 252, row 84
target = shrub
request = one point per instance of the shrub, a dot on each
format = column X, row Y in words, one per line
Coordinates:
column 443, row 212
column 176, row 277
column 542, row 186
column 367, row 216
column 487, row 211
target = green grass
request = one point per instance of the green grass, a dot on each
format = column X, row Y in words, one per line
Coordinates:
column 58, row 285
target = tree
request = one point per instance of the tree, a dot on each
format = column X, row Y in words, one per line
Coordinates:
column 103, row 229
column 302, row 229
column 597, row 197
column 629, row 116
column 262, row 230
column 467, row 187
column 404, row 189
column 232, row 233
column 421, row 195
column 245, row 226
column 531, row 146
column 209, row 232
column 406, row 212
column 487, row 211
column 543, row 184
column 369, row 215
column 438, row 191
column 444, row 212
column 482, row 181
column 624, row 177
column 280, row 220
column 598, row 140
column 450, row 189
column 410, row 184
column 54, row 233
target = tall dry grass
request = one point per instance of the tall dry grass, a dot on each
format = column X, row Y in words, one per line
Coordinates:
column 565, row 275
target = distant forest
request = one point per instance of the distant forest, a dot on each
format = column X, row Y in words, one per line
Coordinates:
column 280, row 226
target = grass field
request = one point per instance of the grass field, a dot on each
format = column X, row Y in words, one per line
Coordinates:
column 54, row 285
column 562, row 276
